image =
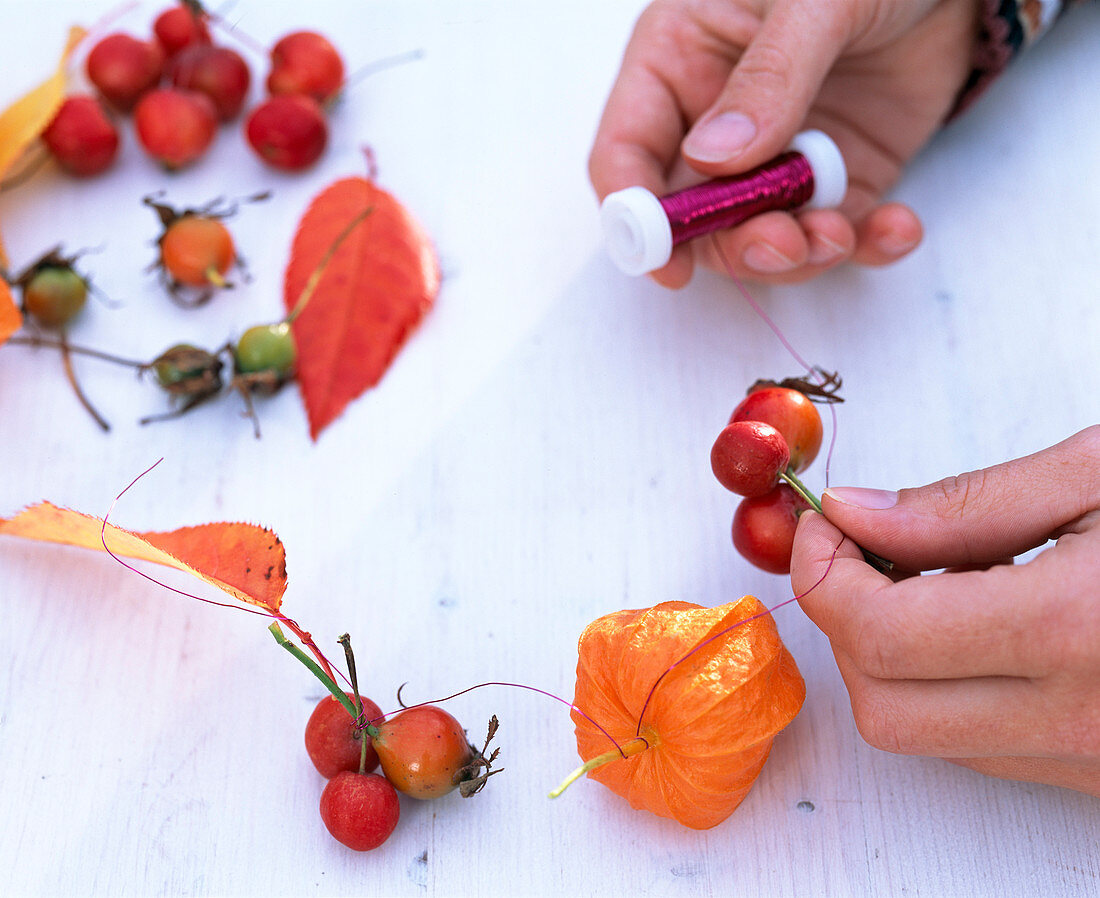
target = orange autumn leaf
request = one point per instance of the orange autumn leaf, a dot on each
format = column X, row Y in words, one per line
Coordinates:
column 244, row 560
column 10, row 318
column 25, row 119
column 710, row 722
column 373, row 285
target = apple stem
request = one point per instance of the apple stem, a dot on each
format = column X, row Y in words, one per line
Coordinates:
column 799, row 487
column 314, row 668
column 360, row 720
column 876, row 561
column 634, row 746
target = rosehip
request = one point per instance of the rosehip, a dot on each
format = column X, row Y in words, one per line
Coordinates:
column 748, row 457
column 123, row 68
column 423, row 751
column 288, row 132
column 174, row 126
column 763, row 528
column 81, row 137
column 792, row 414
column 334, row 742
column 305, row 62
column 266, row 348
column 219, row 72
column 197, row 251
column 179, row 27
column 361, row 810
column 54, row 294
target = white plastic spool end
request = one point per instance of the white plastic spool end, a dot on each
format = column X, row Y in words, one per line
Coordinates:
column 636, row 230
column 830, row 173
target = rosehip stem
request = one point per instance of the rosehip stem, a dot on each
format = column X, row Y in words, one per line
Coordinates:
column 70, row 374
column 41, row 341
column 314, row 668
column 799, row 487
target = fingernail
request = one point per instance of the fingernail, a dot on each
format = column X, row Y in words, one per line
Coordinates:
column 858, row 497
column 719, row 138
column 823, row 250
column 893, row 245
column 766, row 259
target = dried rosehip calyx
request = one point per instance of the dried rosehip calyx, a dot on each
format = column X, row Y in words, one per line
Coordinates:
column 53, row 291
column 186, row 370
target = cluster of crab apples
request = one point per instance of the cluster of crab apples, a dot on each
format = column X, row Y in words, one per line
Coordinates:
column 180, row 86
column 422, row 751
column 774, row 433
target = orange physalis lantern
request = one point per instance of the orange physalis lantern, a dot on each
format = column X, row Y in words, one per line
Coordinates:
column 708, row 726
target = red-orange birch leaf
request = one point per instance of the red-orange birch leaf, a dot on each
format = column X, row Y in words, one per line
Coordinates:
column 10, row 318
column 25, row 119
column 373, row 291
column 244, row 560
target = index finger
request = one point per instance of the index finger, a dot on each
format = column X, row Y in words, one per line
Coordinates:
column 941, row 626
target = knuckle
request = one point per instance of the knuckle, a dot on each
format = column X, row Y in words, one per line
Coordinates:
column 873, row 646
column 879, row 725
column 955, row 496
column 769, row 68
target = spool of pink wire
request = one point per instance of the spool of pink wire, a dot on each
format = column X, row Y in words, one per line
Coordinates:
column 640, row 229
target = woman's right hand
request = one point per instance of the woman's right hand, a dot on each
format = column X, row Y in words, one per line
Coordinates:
column 719, row 87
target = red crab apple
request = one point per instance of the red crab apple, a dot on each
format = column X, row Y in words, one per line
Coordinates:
column 334, row 742
column 305, row 62
column 123, row 68
column 791, row 413
column 81, row 137
column 764, row 526
column 748, row 457
column 175, row 127
column 361, row 810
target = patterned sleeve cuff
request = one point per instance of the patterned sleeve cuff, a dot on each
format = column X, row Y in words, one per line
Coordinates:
column 1006, row 28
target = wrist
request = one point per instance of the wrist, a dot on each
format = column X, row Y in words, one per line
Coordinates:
column 1005, row 28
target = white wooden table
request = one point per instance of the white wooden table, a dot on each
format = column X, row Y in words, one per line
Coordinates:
column 537, row 457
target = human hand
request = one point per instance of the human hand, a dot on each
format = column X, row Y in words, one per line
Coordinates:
column 879, row 76
column 990, row 665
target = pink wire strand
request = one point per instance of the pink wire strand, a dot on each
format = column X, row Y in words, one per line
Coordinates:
column 723, row 632
column 787, row 345
column 281, row 618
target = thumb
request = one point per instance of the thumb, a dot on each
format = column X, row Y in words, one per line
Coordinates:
column 976, row 518
column 771, row 88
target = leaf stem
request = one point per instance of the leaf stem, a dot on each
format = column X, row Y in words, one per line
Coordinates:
column 315, row 276
column 314, row 668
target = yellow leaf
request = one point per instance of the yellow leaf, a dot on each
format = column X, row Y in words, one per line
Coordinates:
column 244, row 560
column 25, row 119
